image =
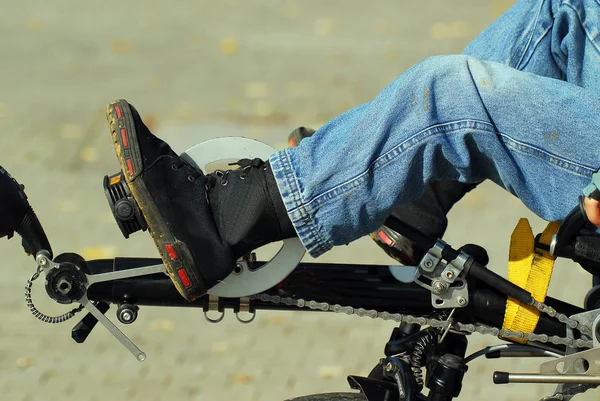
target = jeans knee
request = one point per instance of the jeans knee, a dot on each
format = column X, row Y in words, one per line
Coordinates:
column 448, row 69
column 446, row 63
column 450, row 79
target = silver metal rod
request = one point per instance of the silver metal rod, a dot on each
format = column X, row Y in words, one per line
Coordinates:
column 114, row 330
column 544, row 378
column 121, row 274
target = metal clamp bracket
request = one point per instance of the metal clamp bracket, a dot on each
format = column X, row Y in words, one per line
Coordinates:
column 448, row 289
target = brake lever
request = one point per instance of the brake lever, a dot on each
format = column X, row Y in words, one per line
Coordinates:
column 16, row 214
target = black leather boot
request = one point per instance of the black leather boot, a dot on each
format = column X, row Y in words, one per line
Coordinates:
column 200, row 224
column 247, row 206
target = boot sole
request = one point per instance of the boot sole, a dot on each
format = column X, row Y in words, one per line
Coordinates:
column 172, row 252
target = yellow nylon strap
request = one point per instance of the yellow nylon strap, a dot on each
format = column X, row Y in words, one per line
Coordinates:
column 531, row 269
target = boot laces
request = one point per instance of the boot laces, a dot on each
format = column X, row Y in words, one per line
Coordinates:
column 192, row 175
column 244, row 164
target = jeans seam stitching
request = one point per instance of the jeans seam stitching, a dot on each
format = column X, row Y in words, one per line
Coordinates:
column 318, row 243
column 390, row 155
column 291, row 177
column 394, row 152
column 537, row 18
column 523, row 63
column 550, row 156
column 587, row 34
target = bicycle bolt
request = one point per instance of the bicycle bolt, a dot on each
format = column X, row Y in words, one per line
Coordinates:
column 449, row 274
column 64, row 286
column 461, row 301
column 388, row 367
column 428, row 263
column 126, row 316
column 438, row 287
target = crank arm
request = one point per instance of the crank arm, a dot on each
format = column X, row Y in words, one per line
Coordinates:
column 121, row 274
column 114, row 330
column 112, row 276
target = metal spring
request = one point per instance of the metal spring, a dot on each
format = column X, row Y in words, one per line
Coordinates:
column 416, row 359
column 41, row 316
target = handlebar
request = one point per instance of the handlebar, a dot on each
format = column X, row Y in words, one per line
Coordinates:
column 17, row 215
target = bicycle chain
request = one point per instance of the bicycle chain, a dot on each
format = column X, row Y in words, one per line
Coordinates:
column 445, row 324
column 570, row 392
column 436, row 323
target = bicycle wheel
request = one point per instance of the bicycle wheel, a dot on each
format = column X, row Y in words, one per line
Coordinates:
column 331, row 397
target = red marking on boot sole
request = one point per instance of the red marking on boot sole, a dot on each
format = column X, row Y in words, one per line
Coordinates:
column 184, row 278
column 124, row 137
column 387, row 240
column 130, row 167
column 171, row 251
column 118, row 110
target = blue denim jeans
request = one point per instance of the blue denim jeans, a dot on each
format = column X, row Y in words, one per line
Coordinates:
column 519, row 108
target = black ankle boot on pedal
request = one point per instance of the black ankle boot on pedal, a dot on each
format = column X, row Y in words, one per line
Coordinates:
column 201, row 224
column 247, row 207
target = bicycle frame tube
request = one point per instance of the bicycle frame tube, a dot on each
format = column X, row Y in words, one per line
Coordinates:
column 366, row 286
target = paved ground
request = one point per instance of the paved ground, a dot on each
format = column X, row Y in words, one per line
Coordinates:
column 197, row 70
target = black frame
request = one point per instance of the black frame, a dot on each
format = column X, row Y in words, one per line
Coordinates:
column 368, row 287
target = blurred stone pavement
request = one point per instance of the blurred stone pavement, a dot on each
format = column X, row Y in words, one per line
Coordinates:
column 198, row 70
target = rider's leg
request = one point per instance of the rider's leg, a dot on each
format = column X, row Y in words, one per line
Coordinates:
column 539, row 36
column 449, row 117
column 426, row 214
column 551, row 38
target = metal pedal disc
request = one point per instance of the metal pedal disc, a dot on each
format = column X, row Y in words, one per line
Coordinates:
column 247, row 282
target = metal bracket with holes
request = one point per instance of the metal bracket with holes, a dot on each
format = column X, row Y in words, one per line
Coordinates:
column 570, row 371
column 589, row 319
column 448, row 288
column 584, row 363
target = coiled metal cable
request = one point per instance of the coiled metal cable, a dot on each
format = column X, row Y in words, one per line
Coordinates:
column 41, row 316
column 418, row 354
